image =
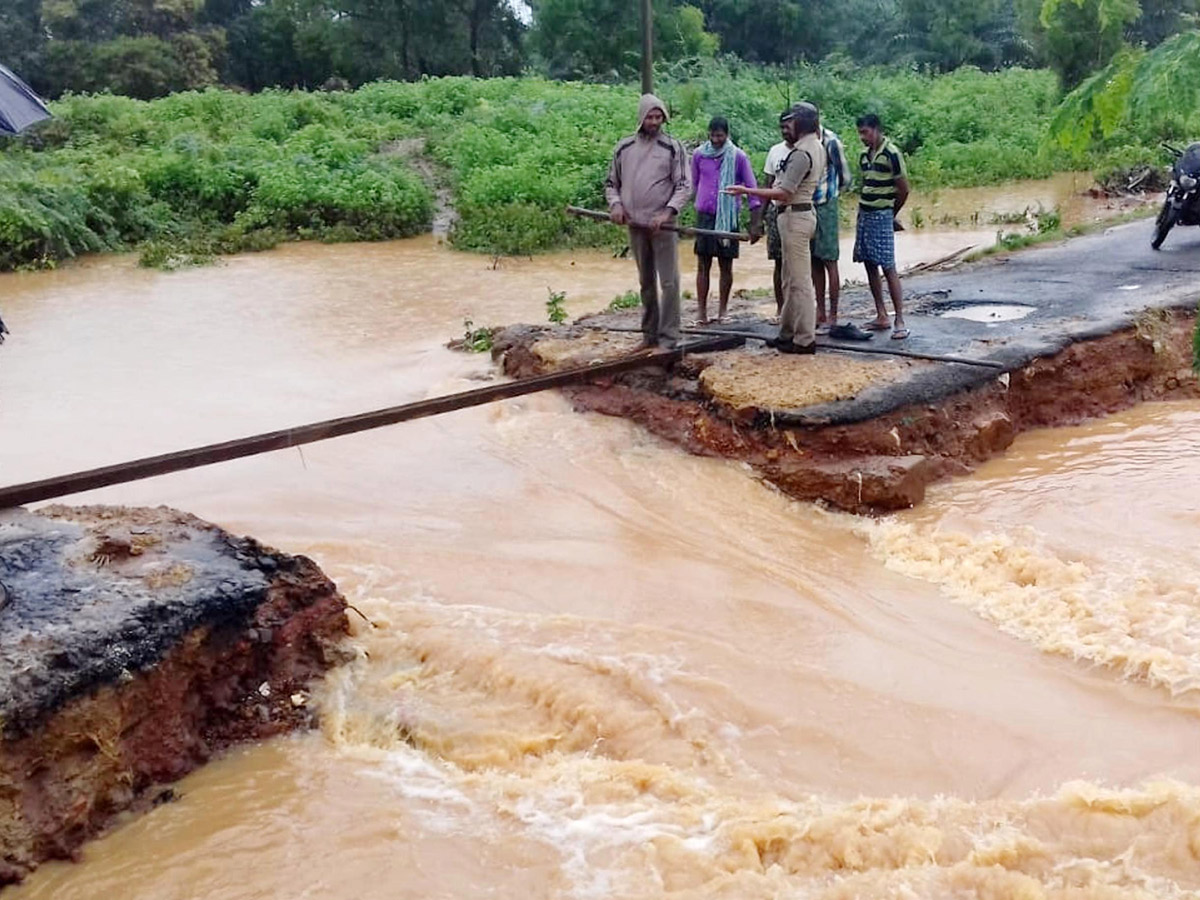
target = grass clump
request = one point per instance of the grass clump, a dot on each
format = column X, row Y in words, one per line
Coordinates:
column 627, row 300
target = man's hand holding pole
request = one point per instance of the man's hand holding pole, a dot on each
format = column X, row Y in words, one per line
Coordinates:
column 661, row 218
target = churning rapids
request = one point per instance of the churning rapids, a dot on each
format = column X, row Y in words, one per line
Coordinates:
column 597, row 667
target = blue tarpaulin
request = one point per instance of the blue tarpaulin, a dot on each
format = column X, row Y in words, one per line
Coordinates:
column 20, row 107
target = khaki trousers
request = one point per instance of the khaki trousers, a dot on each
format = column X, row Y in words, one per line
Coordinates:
column 657, row 257
column 798, row 318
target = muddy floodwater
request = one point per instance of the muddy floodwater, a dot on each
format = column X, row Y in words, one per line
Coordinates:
column 597, row 667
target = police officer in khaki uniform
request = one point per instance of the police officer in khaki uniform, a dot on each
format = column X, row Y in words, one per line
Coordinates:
column 793, row 191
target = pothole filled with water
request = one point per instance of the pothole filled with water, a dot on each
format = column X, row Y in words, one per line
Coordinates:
column 986, row 312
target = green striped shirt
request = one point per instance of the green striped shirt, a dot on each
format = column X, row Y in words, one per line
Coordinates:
column 879, row 176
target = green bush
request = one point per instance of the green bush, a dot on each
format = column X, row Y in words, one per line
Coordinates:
column 519, row 150
column 205, row 172
column 45, row 218
column 202, row 173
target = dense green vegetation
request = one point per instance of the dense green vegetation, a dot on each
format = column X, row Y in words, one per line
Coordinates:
column 149, row 48
column 206, row 170
column 1136, row 101
column 201, row 173
column 523, row 149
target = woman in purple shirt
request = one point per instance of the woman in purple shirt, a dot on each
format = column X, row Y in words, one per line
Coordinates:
column 716, row 165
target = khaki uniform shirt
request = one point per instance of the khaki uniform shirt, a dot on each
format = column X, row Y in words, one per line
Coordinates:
column 802, row 170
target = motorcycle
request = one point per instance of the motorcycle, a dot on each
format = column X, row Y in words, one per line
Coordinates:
column 1182, row 206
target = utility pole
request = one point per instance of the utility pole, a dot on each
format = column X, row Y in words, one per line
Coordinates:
column 647, row 47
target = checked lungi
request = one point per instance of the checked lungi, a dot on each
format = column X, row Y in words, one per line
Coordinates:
column 875, row 238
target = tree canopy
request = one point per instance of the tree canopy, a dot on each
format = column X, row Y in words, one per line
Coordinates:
column 149, row 48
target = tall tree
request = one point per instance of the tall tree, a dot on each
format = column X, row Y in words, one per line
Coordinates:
column 600, row 38
column 222, row 12
column 1161, row 19
column 946, row 34
column 22, row 36
column 1077, row 37
column 96, row 20
column 1147, row 96
column 772, row 31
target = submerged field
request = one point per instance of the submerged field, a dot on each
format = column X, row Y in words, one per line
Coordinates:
column 197, row 174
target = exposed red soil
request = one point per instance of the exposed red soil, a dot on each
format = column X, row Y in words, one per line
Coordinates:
column 115, row 747
column 886, row 463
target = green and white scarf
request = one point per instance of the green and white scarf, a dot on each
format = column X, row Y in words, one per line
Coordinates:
column 728, row 206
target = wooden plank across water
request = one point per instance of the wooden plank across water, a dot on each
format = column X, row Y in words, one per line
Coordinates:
column 91, row 479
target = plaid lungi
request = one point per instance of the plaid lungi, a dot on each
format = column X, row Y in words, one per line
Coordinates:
column 774, row 242
column 874, row 239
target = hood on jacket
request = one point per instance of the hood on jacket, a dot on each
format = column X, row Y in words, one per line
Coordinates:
column 647, row 103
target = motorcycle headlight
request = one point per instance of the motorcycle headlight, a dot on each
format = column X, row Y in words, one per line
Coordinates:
column 1187, row 182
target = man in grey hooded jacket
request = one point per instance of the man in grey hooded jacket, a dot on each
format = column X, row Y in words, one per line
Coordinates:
column 648, row 184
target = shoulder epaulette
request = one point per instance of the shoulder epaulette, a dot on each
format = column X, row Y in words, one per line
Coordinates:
column 783, row 163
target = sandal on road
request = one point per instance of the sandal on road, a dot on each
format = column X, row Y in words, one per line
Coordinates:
column 878, row 326
column 900, row 334
column 849, row 332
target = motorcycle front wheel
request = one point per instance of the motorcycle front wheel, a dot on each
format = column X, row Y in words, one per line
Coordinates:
column 1163, row 224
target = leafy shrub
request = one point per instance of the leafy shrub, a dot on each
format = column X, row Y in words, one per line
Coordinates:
column 555, row 311
column 204, row 172
column 476, row 340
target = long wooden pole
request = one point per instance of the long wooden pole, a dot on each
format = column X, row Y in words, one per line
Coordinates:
column 679, row 229
column 647, row 46
column 77, row 482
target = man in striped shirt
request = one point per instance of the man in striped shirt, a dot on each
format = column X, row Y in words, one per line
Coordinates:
column 884, row 192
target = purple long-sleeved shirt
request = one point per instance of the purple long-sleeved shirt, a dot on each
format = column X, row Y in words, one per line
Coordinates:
column 706, row 179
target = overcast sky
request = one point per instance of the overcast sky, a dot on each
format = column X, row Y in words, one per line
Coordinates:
column 522, row 10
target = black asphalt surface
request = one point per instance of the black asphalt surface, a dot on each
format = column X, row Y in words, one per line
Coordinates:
column 69, row 622
column 1077, row 290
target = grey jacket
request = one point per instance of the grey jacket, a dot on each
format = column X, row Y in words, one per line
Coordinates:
column 648, row 175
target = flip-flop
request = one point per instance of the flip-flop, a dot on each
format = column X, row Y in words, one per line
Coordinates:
column 899, row 334
column 849, row 332
column 877, row 326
